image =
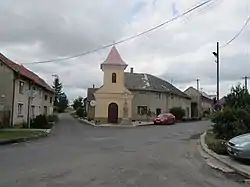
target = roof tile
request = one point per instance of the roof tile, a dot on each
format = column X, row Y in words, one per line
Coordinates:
column 114, row 58
column 25, row 72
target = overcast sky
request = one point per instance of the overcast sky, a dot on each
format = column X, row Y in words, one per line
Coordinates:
column 33, row 30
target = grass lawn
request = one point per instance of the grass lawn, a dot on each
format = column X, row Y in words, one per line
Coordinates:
column 217, row 145
column 5, row 134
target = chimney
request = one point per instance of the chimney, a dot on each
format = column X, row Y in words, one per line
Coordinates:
column 131, row 70
column 93, row 86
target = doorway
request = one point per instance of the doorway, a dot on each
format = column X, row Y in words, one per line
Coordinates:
column 158, row 111
column 113, row 113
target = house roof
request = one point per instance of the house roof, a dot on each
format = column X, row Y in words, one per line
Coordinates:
column 144, row 82
column 25, row 72
column 90, row 94
column 114, row 58
column 222, row 100
column 148, row 82
column 203, row 94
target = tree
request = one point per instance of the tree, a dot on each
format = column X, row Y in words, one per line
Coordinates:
column 62, row 102
column 238, row 98
column 57, row 86
column 78, row 102
column 234, row 119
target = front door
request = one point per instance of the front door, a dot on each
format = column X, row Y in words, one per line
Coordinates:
column 113, row 113
column 158, row 111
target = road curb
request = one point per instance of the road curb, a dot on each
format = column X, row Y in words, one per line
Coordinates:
column 122, row 126
column 217, row 157
column 45, row 133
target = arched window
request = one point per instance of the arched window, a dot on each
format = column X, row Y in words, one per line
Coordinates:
column 113, row 77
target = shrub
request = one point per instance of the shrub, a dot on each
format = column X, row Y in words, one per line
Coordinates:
column 216, row 145
column 230, row 122
column 80, row 112
column 52, row 118
column 40, row 122
column 178, row 112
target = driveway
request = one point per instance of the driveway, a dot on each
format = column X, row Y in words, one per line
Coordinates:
column 77, row 155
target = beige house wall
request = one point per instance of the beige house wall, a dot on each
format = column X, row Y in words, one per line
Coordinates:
column 37, row 103
column 112, row 93
column 108, row 86
column 103, row 101
column 154, row 100
column 205, row 104
column 6, row 87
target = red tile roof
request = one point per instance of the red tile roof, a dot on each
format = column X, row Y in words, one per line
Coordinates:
column 114, row 58
column 25, row 72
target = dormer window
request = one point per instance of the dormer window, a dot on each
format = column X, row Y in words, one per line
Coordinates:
column 113, row 77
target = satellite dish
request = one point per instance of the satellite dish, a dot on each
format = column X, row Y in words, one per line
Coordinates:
column 92, row 103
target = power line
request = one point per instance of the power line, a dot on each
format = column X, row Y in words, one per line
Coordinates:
column 126, row 39
column 201, row 11
column 238, row 33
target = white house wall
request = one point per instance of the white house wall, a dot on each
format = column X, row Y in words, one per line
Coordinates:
column 38, row 102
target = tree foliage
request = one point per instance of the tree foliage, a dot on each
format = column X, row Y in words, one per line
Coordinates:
column 78, row 102
column 234, row 119
column 57, row 86
column 61, row 101
column 238, row 97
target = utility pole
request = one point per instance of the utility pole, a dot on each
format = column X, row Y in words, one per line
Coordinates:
column 30, row 97
column 198, row 99
column 246, row 78
column 217, row 55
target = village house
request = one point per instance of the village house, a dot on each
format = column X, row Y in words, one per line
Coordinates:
column 23, row 94
column 201, row 100
column 130, row 95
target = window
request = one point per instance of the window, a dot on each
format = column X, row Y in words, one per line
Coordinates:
column 113, row 77
column 45, row 112
column 21, row 87
column 50, row 100
column 45, row 97
column 142, row 110
column 20, row 109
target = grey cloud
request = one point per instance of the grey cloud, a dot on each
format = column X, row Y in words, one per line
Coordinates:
column 39, row 30
column 66, row 31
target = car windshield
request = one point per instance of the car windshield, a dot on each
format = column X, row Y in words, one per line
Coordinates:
column 163, row 115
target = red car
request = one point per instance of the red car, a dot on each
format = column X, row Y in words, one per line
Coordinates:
column 165, row 118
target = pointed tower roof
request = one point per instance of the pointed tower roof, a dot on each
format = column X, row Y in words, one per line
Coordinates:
column 114, row 58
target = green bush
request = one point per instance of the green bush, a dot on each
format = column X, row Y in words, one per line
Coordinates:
column 80, row 112
column 178, row 112
column 52, row 118
column 217, row 145
column 230, row 122
column 40, row 122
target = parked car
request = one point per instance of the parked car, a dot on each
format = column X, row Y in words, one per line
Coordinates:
column 239, row 146
column 165, row 118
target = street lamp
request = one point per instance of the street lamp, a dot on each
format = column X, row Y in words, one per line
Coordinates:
column 217, row 55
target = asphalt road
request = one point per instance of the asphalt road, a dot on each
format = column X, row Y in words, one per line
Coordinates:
column 77, row 155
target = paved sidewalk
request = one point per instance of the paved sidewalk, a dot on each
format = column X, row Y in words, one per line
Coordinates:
column 134, row 124
column 238, row 167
